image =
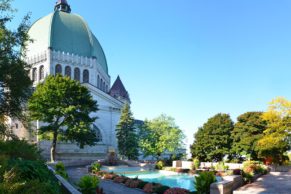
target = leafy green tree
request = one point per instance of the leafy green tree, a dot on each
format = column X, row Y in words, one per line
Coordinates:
column 247, row 131
column 276, row 139
column 126, row 135
column 160, row 135
column 14, row 79
column 64, row 105
column 213, row 140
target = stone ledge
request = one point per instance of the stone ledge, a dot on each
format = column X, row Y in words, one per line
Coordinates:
column 223, row 187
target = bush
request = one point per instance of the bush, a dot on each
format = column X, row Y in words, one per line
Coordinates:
column 203, row 182
column 60, row 170
column 29, row 187
column 160, row 165
column 120, row 179
column 196, row 164
column 19, row 149
column 176, row 191
column 161, row 190
column 150, row 187
column 88, row 184
column 142, row 184
column 251, row 168
column 96, row 167
column 220, row 166
column 23, row 171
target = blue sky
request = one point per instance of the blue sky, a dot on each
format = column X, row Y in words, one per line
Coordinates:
column 190, row 59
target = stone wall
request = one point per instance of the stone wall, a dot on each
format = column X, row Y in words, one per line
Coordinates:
column 69, row 151
column 188, row 165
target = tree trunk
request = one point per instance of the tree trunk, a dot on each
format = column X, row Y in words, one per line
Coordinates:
column 53, row 147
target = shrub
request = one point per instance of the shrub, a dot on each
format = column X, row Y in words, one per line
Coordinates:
column 176, row 191
column 60, row 170
column 196, row 164
column 29, row 187
column 96, row 167
column 120, row 179
column 150, row 187
column 161, row 190
column 88, row 184
column 109, row 176
column 220, row 166
column 142, row 184
column 19, row 149
column 203, row 182
column 250, row 168
column 160, row 165
column 236, row 172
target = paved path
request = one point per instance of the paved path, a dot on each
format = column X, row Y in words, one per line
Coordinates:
column 75, row 173
column 273, row 183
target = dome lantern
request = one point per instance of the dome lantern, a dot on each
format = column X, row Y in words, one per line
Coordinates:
column 62, row 5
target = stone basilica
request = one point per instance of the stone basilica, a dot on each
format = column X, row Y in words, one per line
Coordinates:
column 64, row 44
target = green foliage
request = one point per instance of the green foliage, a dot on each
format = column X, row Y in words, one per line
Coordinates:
column 160, row 165
column 64, row 104
column 220, row 166
column 96, row 167
column 196, row 164
column 88, row 184
column 203, row 182
column 14, row 79
column 60, row 170
column 161, row 190
column 19, row 149
column 213, row 140
column 246, row 133
column 30, row 187
column 23, row 171
column 126, row 135
column 159, row 135
column 251, row 168
column 277, row 137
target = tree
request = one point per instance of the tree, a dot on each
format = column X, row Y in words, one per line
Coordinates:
column 246, row 133
column 160, row 135
column 64, row 105
column 276, row 139
column 126, row 135
column 14, row 80
column 213, row 140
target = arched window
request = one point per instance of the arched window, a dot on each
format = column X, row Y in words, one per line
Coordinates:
column 58, row 69
column 103, row 86
column 86, row 76
column 41, row 72
column 98, row 133
column 101, row 81
column 68, row 71
column 98, row 81
column 34, row 74
column 106, row 88
column 77, row 74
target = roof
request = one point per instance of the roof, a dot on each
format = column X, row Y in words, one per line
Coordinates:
column 66, row 32
column 118, row 90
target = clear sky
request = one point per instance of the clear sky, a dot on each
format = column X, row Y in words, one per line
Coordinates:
column 190, row 59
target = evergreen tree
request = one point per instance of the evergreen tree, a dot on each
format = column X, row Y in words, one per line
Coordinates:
column 213, row 140
column 65, row 106
column 126, row 135
column 247, row 131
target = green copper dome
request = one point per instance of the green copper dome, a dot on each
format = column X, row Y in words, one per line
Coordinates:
column 65, row 32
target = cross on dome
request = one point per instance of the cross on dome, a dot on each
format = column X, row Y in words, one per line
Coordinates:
column 62, row 5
